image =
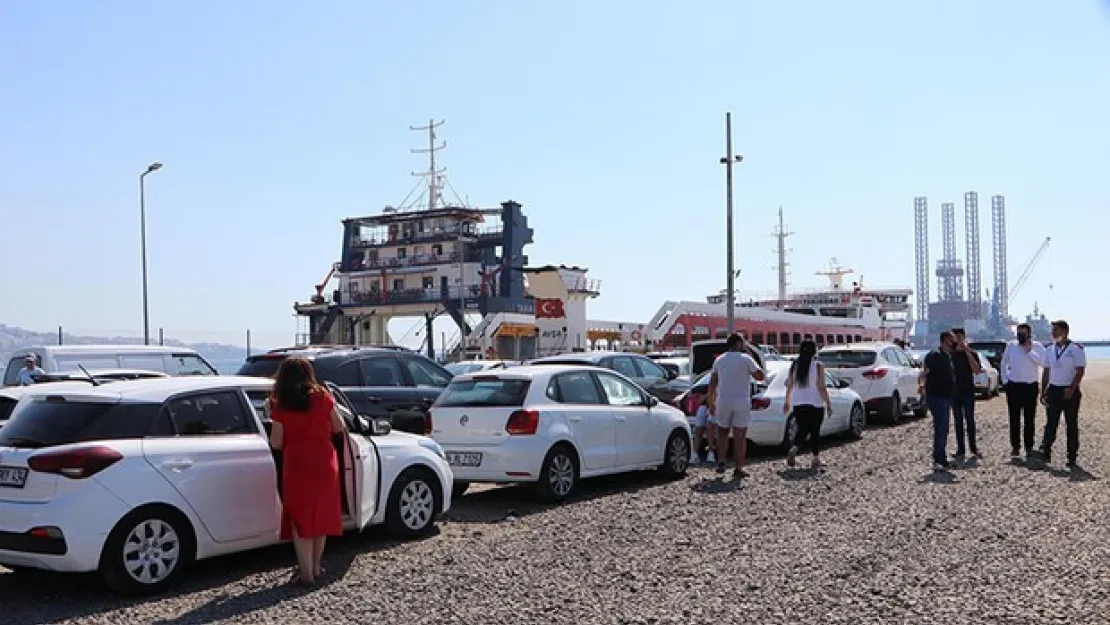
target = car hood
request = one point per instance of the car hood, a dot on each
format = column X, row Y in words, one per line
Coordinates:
column 397, row 440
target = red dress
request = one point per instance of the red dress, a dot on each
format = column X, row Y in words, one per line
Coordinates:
column 310, row 471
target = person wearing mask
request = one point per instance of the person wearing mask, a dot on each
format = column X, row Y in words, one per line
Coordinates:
column 807, row 394
column 29, row 371
column 1064, row 365
column 965, row 364
column 937, row 384
column 1019, row 371
column 305, row 418
column 730, row 396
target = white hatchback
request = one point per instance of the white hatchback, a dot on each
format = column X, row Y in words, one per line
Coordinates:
column 138, row 479
column 554, row 424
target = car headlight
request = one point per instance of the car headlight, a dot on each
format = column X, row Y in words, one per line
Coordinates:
column 433, row 446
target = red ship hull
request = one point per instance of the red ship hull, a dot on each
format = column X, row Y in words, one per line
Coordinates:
column 785, row 336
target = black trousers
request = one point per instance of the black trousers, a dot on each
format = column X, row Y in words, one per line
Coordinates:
column 1054, row 405
column 809, row 427
column 1021, row 399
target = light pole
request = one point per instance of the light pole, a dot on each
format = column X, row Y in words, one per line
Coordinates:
column 153, row 167
column 727, row 160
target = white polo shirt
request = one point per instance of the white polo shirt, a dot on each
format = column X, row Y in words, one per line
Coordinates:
column 1062, row 359
column 1022, row 366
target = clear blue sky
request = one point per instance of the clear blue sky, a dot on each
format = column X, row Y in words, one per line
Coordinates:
column 277, row 118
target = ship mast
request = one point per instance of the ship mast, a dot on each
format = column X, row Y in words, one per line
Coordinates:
column 835, row 273
column 433, row 177
column 781, row 233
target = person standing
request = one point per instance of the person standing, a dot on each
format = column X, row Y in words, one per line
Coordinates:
column 730, row 396
column 304, row 420
column 1064, row 366
column 937, row 384
column 29, row 371
column 1019, row 372
column 965, row 364
column 807, row 394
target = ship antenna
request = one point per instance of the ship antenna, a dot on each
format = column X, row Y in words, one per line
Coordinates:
column 781, row 233
column 433, row 177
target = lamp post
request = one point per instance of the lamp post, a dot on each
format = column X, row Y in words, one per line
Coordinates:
column 727, row 160
column 153, row 167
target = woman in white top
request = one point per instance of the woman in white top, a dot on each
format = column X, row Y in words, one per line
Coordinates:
column 807, row 394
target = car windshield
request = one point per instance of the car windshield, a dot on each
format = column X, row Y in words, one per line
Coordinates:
column 48, row 421
column 459, row 368
column 987, row 350
column 261, row 366
column 843, row 358
column 484, row 391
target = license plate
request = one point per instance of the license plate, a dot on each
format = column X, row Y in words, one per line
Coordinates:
column 13, row 477
column 464, row 459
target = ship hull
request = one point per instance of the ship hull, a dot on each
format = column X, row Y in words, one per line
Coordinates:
column 785, row 331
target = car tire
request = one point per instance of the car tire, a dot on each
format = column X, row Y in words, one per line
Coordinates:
column 676, row 455
column 414, row 503
column 893, row 409
column 558, row 475
column 153, row 542
column 789, row 432
column 857, row 422
column 458, row 489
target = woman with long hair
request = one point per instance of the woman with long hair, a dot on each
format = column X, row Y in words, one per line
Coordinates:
column 807, row 394
column 304, row 420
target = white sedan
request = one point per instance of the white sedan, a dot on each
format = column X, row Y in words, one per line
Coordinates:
column 553, row 425
column 771, row 427
column 138, row 479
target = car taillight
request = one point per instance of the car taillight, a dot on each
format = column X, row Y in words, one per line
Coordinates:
column 760, row 403
column 75, row 464
column 427, row 422
column 875, row 374
column 523, row 422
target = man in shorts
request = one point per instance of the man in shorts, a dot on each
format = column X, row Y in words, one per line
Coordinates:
column 730, row 394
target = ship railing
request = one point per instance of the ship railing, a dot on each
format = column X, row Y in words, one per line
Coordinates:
column 409, row 296
column 416, row 260
column 405, row 237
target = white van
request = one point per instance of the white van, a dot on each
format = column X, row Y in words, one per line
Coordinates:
column 66, row 358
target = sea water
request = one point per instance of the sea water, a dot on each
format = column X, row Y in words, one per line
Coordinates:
column 1098, row 353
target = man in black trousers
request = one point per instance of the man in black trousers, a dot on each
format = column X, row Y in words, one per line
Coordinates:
column 1020, row 371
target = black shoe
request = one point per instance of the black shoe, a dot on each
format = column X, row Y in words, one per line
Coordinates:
column 1015, row 453
column 1072, row 464
column 703, row 458
column 739, row 473
column 720, row 468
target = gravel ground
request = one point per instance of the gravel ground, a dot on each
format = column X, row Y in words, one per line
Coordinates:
column 875, row 538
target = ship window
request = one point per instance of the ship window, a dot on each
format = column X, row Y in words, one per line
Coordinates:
column 784, row 338
column 797, row 338
column 772, row 338
column 809, row 337
column 353, row 286
column 437, row 250
column 839, row 338
column 399, row 284
column 428, row 282
column 820, row 339
column 401, row 252
column 830, row 339
column 757, row 338
column 847, row 338
column 859, row 339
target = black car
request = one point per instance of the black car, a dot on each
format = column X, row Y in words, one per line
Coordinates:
column 991, row 350
column 653, row 378
column 381, row 382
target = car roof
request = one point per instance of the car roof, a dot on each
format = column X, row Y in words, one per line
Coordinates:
column 151, row 389
column 526, row 372
column 319, row 351
column 864, row 345
column 160, row 349
column 581, row 356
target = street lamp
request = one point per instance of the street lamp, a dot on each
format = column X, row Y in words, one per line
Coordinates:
column 727, row 160
column 153, row 167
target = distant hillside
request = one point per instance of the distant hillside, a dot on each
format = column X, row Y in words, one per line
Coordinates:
column 226, row 358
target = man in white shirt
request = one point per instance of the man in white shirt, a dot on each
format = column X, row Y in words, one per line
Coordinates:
column 29, row 371
column 1020, row 372
column 1064, row 365
column 730, row 397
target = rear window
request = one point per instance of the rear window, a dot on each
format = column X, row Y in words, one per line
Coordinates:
column 6, row 405
column 847, row 358
column 484, row 391
column 460, row 368
column 261, row 366
column 45, row 422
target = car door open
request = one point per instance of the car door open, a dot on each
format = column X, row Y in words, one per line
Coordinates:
column 362, row 466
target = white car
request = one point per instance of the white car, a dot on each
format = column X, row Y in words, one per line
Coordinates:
column 553, row 425
column 771, row 427
column 138, row 479
column 988, row 382
column 882, row 374
column 472, row 366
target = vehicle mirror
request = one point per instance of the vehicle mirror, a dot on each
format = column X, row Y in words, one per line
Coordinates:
column 652, row 401
column 842, row 383
column 380, row 427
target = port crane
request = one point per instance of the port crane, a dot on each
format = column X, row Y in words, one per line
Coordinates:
column 1029, row 268
column 319, row 297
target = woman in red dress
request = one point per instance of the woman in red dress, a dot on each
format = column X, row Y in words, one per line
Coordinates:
column 304, row 421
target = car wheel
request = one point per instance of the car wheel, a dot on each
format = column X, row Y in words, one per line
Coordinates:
column 559, row 475
column 147, row 551
column 414, row 503
column 458, row 489
column 789, row 432
column 894, row 408
column 857, row 421
column 676, row 459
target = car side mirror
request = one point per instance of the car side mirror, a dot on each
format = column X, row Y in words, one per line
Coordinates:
column 842, row 383
column 652, row 401
column 671, row 374
column 379, row 427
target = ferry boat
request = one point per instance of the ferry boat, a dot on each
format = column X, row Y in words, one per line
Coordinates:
column 829, row 316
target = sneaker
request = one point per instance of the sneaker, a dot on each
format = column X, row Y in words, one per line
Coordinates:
column 815, row 463
column 703, row 458
column 720, row 468
column 1015, row 453
column 959, row 457
column 1046, row 456
column 941, row 466
column 739, row 473
column 790, row 456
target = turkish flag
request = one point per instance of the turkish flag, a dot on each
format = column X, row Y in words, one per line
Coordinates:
column 549, row 308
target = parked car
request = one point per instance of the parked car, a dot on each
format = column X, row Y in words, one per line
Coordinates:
column 470, row 366
column 99, row 376
column 771, row 427
column 137, row 479
column 881, row 373
column 704, row 353
column 552, row 425
column 991, row 349
column 988, row 383
column 382, row 382
column 662, row 384
column 178, row 361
